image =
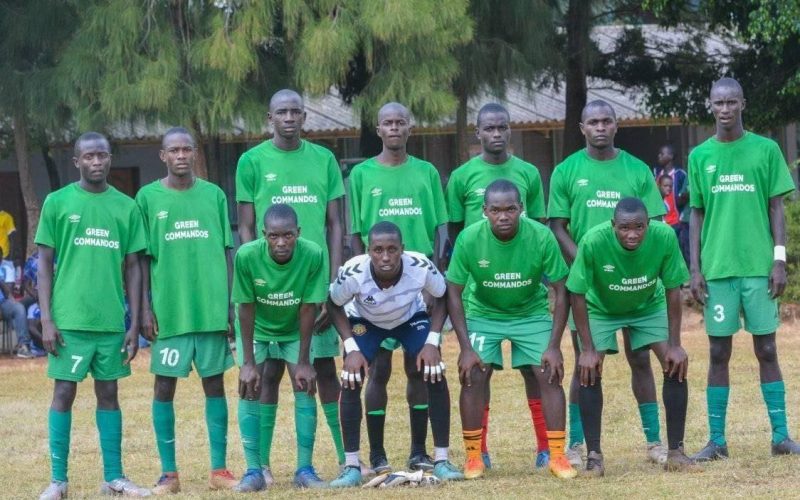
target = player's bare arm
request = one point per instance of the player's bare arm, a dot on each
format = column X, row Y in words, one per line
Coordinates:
column 467, row 358
column 777, row 224
column 334, row 236
column 429, row 358
column 231, row 315
column 51, row 337
column 568, row 247
column 357, row 244
column 552, row 358
column 149, row 322
column 698, row 283
column 590, row 363
column 249, row 378
column 676, row 359
column 355, row 364
column 304, row 375
column 247, row 222
column 133, row 289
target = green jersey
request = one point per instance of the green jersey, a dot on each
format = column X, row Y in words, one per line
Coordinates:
column 504, row 278
column 468, row 183
column 620, row 282
column 586, row 191
column 278, row 290
column 90, row 233
column 306, row 178
column 409, row 194
column 733, row 182
column 188, row 233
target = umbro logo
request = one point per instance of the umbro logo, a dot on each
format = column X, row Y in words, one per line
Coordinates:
column 162, row 214
column 270, row 177
column 583, row 182
column 710, row 169
column 259, row 282
column 376, row 191
column 370, row 300
column 608, row 268
column 480, row 191
column 74, row 218
column 483, row 263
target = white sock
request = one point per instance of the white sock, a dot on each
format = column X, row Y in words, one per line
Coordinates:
column 351, row 458
column 439, row 454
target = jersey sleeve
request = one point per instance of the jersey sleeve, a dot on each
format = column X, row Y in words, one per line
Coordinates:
column 225, row 222
column 580, row 274
column 554, row 266
column 458, row 271
column 455, row 197
column 559, row 196
column 141, row 201
column 243, row 291
column 439, row 205
column 316, row 291
column 45, row 233
column 695, row 194
column 355, row 201
column 335, row 182
column 245, row 180
column 136, row 240
column 535, row 199
column 780, row 180
column 650, row 195
column 345, row 286
column 434, row 281
column 673, row 270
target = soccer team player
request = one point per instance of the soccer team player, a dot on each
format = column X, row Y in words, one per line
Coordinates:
column 186, row 217
column 584, row 189
column 465, row 191
column 94, row 231
column 738, row 258
column 400, row 188
column 382, row 291
column 305, row 176
column 627, row 274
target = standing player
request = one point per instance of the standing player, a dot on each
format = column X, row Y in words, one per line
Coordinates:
column 306, row 177
column 185, row 300
column 279, row 280
column 397, row 187
column 382, row 290
column 96, row 233
column 503, row 260
column 738, row 257
column 617, row 281
column 584, row 190
column 465, row 191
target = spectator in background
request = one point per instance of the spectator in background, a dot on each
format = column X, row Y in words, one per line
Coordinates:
column 30, row 300
column 14, row 312
column 666, row 166
column 7, row 228
column 672, row 216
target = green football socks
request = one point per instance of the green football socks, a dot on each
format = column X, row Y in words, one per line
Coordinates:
column 650, row 424
column 109, row 426
column 268, row 415
column 717, row 401
column 305, row 423
column 775, row 398
column 59, row 424
column 217, row 425
column 164, row 427
column 331, row 411
column 575, row 425
column 249, row 423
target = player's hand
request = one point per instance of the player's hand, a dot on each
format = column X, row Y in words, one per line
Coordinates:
column 149, row 325
column 305, row 377
column 249, row 382
column 590, row 366
column 777, row 279
column 354, row 365
column 677, row 362
column 323, row 320
column 698, row 287
column 429, row 362
column 131, row 345
column 51, row 337
column 467, row 360
column 554, row 361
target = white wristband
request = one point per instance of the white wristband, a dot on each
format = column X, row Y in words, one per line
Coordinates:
column 780, row 253
column 350, row 345
column 433, row 338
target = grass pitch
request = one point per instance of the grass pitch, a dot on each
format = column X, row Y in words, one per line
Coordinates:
column 25, row 394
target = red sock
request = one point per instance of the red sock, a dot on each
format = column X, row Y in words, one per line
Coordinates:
column 539, row 426
column 484, row 429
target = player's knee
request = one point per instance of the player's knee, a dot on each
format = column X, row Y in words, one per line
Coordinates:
column 214, row 386
column 106, row 393
column 164, row 388
column 325, row 368
column 380, row 372
column 767, row 351
column 64, row 395
column 639, row 361
column 719, row 353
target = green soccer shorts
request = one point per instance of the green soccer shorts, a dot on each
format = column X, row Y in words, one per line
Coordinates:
column 325, row 344
column 730, row 298
column 288, row 351
column 100, row 354
column 644, row 330
column 174, row 356
column 528, row 336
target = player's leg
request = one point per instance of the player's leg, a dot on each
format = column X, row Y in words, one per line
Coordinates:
column 485, row 456
column 417, row 398
column 575, row 451
column 534, row 396
column 59, row 424
column 554, row 414
column 643, row 386
column 324, row 349
column 250, row 425
column 271, row 377
column 375, row 400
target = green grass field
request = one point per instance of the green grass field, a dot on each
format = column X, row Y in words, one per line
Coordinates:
column 751, row 472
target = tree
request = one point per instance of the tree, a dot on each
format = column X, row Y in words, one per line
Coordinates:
column 173, row 62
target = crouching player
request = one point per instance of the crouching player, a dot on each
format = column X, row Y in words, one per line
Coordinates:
column 383, row 291
column 504, row 258
column 617, row 281
column 278, row 282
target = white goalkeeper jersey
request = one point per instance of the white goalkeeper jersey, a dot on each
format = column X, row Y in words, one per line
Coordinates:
column 355, row 288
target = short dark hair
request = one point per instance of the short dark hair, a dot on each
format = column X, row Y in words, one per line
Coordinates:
column 285, row 94
column 491, row 107
column 86, row 137
column 630, row 206
column 598, row 103
column 176, row 131
column 280, row 211
column 385, row 227
column 501, row 186
column 730, row 83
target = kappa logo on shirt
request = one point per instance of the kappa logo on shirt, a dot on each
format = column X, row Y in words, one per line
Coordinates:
column 162, row 214
column 480, row 191
column 370, row 300
column 483, row 263
column 270, row 177
column 582, row 182
column 259, row 282
column 74, row 218
column 608, row 268
column 710, row 169
column 376, row 191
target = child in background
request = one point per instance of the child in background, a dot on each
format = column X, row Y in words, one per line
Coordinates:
column 672, row 217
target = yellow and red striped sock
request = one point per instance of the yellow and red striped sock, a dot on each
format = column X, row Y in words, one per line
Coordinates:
column 472, row 443
column 555, row 439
